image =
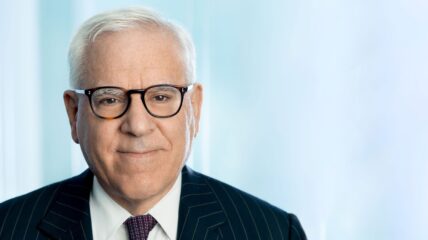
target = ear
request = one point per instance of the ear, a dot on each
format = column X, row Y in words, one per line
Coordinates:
column 71, row 102
column 196, row 101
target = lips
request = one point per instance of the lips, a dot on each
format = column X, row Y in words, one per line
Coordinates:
column 138, row 153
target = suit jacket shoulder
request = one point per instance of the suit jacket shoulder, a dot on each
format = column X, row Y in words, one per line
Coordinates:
column 49, row 211
column 234, row 214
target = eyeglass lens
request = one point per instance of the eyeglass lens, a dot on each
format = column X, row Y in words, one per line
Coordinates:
column 160, row 101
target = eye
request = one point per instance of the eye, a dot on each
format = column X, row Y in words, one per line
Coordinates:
column 161, row 98
column 109, row 101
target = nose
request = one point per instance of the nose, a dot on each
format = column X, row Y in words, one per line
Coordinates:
column 137, row 121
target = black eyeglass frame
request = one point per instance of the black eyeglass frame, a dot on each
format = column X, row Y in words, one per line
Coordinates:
column 182, row 89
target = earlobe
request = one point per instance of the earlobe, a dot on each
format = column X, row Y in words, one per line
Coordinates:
column 71, row 105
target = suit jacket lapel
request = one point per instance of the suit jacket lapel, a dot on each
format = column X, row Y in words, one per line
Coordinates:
column 68, row 216
column 201, row 215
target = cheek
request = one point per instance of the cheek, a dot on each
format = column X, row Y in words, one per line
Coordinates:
column 179, row 132
column 96, row 140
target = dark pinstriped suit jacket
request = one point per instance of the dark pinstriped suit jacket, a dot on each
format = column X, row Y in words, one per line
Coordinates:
column 209, row 209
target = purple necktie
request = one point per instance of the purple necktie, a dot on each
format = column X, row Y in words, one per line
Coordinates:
column 140, row 226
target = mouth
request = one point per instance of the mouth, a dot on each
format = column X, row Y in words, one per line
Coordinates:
column 138, row 154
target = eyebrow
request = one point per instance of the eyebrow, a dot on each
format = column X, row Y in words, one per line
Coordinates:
column 163, row 88
column 113, row 91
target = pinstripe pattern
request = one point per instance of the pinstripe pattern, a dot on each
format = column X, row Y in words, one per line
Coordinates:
column 209, row 209
column 58, row 211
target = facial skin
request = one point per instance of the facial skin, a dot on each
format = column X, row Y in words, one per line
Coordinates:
column 136, row 157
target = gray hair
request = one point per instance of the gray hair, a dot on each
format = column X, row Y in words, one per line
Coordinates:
column 119, row 20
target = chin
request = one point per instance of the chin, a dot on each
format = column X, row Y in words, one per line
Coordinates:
column 139, row 188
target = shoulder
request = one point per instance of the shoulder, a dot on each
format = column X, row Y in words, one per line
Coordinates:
column 24, row 212
column 15, row 205
column 253, row 215
column 45, row 194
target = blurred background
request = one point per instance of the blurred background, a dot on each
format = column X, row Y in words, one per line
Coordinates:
column 317, row 106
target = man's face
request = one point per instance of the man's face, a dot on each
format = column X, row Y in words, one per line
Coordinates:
column 136, row 157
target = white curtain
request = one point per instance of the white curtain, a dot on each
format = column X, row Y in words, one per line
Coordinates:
column 20, row 99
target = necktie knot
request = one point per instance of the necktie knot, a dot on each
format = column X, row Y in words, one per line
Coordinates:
column 140, row 226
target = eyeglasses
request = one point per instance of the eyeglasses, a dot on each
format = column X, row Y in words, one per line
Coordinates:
column 161, row 101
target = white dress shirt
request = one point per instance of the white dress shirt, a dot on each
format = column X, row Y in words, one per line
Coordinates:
column 108, row 217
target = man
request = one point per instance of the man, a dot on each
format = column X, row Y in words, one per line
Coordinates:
column 134, row 110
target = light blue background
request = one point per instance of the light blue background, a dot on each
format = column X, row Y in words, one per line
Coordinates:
column 317, row 106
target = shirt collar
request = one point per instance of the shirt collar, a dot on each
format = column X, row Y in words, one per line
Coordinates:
column 104, row 208
column 107, row 215
column 166, row 210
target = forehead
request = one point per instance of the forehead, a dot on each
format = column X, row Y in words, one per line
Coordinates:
column 134, row 58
